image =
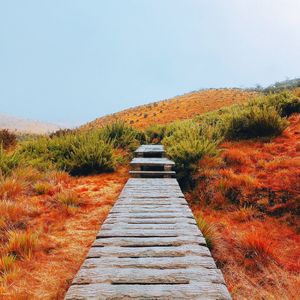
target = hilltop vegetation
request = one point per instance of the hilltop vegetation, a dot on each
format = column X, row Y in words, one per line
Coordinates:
column 178, row 108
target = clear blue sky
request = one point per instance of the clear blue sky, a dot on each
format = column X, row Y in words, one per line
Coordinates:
column 74, row 60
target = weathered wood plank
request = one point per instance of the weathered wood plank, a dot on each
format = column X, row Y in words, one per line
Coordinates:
column 148, row 276
column 145, row 161
column 150, row 148
column 163, row 251
column 148, row 242
column 117, row 232
column 151, row 262
column 167, row 220
column 126, row 226
column 198, row 291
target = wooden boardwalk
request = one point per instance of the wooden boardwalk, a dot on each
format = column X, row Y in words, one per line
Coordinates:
column 149, row 247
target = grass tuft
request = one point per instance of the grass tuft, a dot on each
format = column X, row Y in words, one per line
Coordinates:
column 208, row 230
column 69, row 199
column 21, row 244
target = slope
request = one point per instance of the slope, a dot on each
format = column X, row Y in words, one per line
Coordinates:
column 180, row 107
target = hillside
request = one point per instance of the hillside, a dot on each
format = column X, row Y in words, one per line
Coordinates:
column 180, row 107
column 25, row 125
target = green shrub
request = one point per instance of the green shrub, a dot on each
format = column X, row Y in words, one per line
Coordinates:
column 285, row 103
column 88, row 157
column 155, row 133
column 80, row 153
column 186, row 143
column 120, row 135
column 254, row 122
column 8, row 162
column 61, row 132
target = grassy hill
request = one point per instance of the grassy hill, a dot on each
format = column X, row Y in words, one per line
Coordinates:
column 178, row 108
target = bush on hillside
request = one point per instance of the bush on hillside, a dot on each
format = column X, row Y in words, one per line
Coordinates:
column 8, row 162
column 155, row 133
column 285, row 103
column 92, row 156
column 78, row 154
column 254, row 122
column 7, row 138
column 120, row 135
column 186, row 145
column 61, row 132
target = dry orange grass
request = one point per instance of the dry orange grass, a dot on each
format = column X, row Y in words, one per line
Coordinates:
column 251, row 195
column 45, row 233
column 178, row 108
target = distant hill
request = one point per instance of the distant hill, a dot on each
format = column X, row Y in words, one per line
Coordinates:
column 177, row 108
column 25, row 125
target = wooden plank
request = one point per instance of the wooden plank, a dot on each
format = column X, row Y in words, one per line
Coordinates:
column 119, row 232
column 147, row 276
column 198, row 291
column 174, row 226
column 163, row 251
column 156, row 161
column 151, row 262
column 150, row 148
column 148, row 242
column 152, row 173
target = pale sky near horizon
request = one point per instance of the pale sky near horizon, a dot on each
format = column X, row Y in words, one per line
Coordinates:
column 71, row 61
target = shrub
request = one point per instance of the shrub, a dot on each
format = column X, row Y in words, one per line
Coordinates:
column 186, row 143
column 8, row 162
column 254, row 122
column 120, row 135
column 76, row 153
column 7, row 138
column 285, row 103
column 61, row 133
column 21, row 244
column 208, row 231
column 89, row 157
column 155, row 133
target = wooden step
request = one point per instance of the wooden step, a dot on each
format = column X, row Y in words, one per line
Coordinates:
column 150, row 151
column 152, row 173
column 151, row 164
column 151, row 161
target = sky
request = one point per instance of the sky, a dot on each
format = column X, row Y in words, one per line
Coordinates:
column 71, row 61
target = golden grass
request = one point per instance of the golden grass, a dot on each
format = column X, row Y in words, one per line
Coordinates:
column 42, row 266
column 21, row 244
column 258, row 251
column 178, row 108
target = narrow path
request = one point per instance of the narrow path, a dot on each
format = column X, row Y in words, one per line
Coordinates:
column 149, row 247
